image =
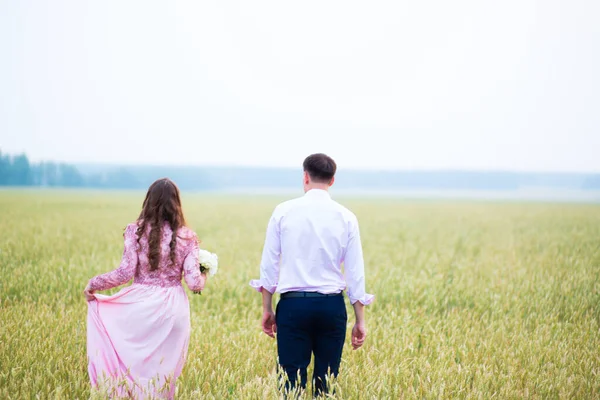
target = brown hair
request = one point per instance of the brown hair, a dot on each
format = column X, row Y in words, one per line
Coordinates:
column 162, row 203
column 320, row 167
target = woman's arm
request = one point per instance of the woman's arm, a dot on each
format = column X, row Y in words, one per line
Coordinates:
column 194, row 279
column 126, row 270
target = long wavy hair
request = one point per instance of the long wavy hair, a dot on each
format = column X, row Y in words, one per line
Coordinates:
column 162, row 204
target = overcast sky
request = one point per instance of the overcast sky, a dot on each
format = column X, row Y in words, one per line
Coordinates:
column 511, row 85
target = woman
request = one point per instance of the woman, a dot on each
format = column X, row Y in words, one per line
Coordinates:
column 138, row 338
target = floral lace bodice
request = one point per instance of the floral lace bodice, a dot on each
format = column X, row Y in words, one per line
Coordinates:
column 135, row 263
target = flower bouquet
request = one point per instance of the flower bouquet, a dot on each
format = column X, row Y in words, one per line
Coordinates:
column 208, row 262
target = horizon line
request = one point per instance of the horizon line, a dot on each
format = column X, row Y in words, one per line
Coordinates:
column 125, row 164
column 348, row 169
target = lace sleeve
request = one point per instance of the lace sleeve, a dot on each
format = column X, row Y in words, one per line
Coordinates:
column 126, row 269
column 191, row 268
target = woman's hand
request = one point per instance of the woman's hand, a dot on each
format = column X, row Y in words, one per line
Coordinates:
column 203, row 278
column 89, row 294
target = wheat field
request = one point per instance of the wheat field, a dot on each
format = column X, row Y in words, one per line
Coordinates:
column 474, row 300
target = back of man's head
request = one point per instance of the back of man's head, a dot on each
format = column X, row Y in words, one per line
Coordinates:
column 320, row 167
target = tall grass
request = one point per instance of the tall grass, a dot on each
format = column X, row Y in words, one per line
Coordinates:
column 474, row 300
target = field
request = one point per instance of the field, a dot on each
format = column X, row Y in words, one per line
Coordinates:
column 474, row 300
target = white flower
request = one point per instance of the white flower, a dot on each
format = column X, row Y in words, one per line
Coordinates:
column 208, row 260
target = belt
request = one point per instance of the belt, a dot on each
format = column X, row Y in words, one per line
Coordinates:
column 308, row 294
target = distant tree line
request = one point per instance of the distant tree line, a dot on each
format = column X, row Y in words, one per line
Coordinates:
column 17, row 170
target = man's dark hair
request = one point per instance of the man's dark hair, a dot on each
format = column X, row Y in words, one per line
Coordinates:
column 320, row 167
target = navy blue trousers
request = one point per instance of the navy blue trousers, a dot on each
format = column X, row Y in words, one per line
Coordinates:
column 310, row 326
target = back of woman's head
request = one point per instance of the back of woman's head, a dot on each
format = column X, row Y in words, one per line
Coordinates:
column 162, row 204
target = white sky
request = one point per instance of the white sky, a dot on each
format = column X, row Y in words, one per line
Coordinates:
column 511, row 84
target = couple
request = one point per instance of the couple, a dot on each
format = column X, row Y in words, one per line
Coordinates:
column 138, row 338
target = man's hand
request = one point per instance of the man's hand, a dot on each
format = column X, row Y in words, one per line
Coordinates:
column 268, row 323
column 89, row 294
column 359, row 334
column 268, row 319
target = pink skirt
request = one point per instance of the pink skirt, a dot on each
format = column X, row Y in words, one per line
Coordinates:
column 137, row 341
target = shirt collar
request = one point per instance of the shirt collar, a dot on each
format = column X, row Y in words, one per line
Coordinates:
column 318, row 193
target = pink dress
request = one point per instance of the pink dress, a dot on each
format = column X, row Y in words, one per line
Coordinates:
column 137, row 339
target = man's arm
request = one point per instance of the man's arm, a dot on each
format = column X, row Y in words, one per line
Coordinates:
column 359, row 331
column 269, row 264
column 354, row 270
column 268, row 320
column 269, row 275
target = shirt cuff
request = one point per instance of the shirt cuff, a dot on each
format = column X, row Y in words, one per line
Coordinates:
column 364, row 300
column 258, row 285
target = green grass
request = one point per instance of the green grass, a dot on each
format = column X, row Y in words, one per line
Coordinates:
column 474, row 300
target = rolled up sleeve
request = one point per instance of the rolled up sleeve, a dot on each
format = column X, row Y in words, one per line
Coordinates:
column 354, row 267
column 269, row 265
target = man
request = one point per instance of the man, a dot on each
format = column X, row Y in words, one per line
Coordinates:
column 307, row 241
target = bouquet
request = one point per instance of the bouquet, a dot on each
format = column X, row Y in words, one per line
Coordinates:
column 208, row 262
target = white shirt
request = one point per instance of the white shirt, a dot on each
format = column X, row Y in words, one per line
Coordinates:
column 307, row 241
